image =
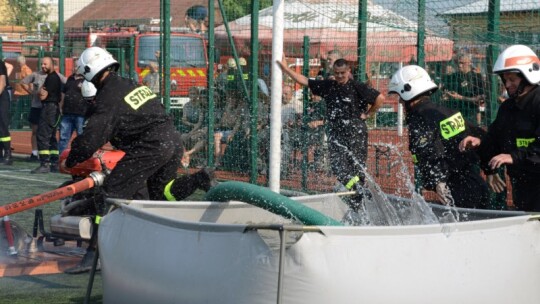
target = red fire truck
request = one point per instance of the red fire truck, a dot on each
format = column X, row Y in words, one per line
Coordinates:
column 188, row 56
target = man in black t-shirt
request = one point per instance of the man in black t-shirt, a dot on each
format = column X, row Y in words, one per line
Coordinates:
column 348, row 104
column 50, row 95
column 73, row 108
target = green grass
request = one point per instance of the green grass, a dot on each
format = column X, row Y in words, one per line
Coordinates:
column 49, row 289
column 17, row 183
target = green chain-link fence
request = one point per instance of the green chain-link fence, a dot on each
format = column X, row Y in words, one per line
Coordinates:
column 212, row 62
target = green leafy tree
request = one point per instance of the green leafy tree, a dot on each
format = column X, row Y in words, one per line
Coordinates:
column 239, row 8
column 28, row 13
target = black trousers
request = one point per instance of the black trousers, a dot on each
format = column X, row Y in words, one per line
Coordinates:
column 151, row 163
column 526, row 193
column 469, row 190
column 46, row 134
column 348, row 148
column 4, row 114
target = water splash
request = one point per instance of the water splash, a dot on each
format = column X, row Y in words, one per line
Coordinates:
column 420, row 212
column 376, row 208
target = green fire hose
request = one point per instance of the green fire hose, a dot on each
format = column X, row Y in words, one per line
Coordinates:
column 270, row 201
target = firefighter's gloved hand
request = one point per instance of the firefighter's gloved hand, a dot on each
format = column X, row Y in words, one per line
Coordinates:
column 444, row 194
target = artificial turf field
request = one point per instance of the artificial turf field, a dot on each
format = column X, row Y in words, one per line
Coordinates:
column 16, row 183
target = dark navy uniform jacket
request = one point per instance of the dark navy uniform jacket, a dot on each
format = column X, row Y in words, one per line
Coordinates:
column 434, row 136
column 131, row 117
column 516, row 131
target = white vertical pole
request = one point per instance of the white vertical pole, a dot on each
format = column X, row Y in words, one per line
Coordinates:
column 277, row 80
column 400, row 113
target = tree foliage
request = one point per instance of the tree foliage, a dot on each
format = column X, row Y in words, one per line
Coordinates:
column 28, row 13
column 239, row 8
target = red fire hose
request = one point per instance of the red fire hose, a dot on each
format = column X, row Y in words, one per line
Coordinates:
column 95, row 179
column 9, row 235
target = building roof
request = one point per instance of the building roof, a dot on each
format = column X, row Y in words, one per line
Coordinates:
column 481, row 7
column 134, row 9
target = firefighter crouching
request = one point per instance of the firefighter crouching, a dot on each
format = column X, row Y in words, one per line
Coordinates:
column 133, row 120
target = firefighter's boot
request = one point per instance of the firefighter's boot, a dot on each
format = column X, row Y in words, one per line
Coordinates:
column 183, row 186
column 8, row 160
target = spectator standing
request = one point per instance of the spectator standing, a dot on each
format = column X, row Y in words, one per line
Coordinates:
column 288, row 125
column 331, row 57
column 233, row 85
column 151, row 80
column 513, row 139
column 50, row 95
column 348, row 104
column 32, row 84
column 465, row 90
column 316, row 133
column 5, row 102
column 73, row 109
column 23, row 71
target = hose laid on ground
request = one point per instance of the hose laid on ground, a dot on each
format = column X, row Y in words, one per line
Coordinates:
column 270, row 201
column 95, row 179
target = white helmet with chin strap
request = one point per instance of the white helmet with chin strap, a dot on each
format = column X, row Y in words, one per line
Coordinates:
column 88, row 90
column 519, row 59
column 93, row 61
column 411, row 81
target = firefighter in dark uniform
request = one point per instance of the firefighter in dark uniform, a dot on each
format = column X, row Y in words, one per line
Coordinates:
column 348, row 104
column 513, row 139
column 133, row 120
column 49, row 94
column 233, row 84
column 5, row 101
column 434, row 136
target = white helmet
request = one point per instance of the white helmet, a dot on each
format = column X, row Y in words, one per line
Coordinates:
column 231, row 63
column 242, row 61
column 411, row 81
column 88, row 90
column 520, row 59
column 94, row 60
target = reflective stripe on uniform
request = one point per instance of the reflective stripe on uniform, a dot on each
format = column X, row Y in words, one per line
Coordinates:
column 167, row 191
column 524, row 142
column 54, row 152
column 58, row 120
column 452, row 126
column 44, row 152
column 98, row 219
column 5, row 139
column 352, row 182
column 136, row 98
column 414, row 159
